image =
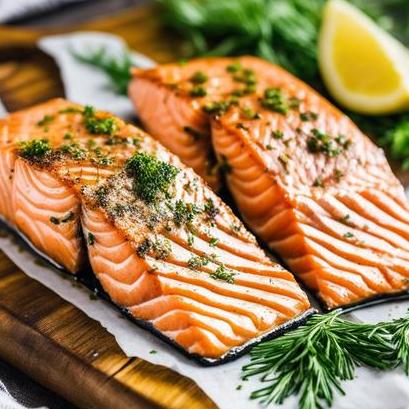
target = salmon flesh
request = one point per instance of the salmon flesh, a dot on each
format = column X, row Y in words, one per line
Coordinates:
column 78, row 184
column 306, row 180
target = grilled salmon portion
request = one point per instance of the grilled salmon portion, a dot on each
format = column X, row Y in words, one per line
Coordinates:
column 46, row 155
column 303, row 176
column 164, row 247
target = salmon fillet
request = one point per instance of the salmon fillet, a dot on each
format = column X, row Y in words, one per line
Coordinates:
column 163, row 246
column 305, row 179
column 40, row 198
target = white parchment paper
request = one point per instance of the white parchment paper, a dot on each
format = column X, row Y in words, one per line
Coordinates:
column 371, row 389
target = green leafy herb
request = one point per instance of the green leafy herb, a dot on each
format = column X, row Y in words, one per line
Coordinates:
column 223, row 274
column 308, row 116
column 94, row 125
column 286, row 32
column 199, row 77
column 47, row 119
column 152, row 177
column 249, row 113
column 274, row 100
column 74, row 150
column 34, row 149
column 314, row 359
column 210, row 209
column 118, row 69
column 159, row 248
column 277, row 134
column 196, row 262
column 320, row 142
column 399, row 329
column 216, row 108
column 198, row 91
column 184, row 213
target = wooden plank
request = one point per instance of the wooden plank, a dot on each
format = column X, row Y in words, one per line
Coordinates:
column 41, row 334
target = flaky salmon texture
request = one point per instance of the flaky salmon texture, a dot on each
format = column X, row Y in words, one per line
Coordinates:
column 164, row 247
column 304, row 177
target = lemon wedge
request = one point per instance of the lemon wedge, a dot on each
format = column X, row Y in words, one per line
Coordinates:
column 364, row 68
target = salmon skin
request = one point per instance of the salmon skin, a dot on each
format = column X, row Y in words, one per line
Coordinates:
column 305, row 179
column 164, row 248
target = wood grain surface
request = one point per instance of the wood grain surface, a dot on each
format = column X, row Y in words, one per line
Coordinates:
column 40, row 333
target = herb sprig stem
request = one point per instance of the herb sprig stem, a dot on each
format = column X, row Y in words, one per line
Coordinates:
column 313, row 360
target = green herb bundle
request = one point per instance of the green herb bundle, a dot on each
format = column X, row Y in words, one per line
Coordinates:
column 286, row 32
column 313, row 360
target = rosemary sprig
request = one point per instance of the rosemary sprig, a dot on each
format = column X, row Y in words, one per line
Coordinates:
column 399, row 331
column 118, row 69
column 313, row 360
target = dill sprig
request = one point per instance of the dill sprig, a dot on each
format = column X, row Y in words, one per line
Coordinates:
column 118, row 69
column 313, row 360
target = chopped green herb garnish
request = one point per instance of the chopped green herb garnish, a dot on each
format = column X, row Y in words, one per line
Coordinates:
column 158, row 248
column 274, row 100
column 277, row 134
column 223, row 274
column 308, row 116
column 318, row 182
column 68, row 135
column 217, row 108
column 34, row 149
column 152, row 177
column 249, row 113
column 70, row 110
column 105, row 126
column 47, row 119
column 91, row 239
column 198, row 91
column 348, row 235
column 184, row 213
column 320, row 142
column 196, row 262
column 294, row 102
column 152, row 351
column 213, row 241
column 269, row 147
column 74, row 150
column 210, row 209
column 235, row 67
column 199, row 77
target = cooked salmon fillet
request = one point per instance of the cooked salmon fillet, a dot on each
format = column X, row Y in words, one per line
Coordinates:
column 163, row 246
column 304, row 177
column 40, row 198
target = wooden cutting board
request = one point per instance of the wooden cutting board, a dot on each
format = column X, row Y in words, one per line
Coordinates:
column 40, row 333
